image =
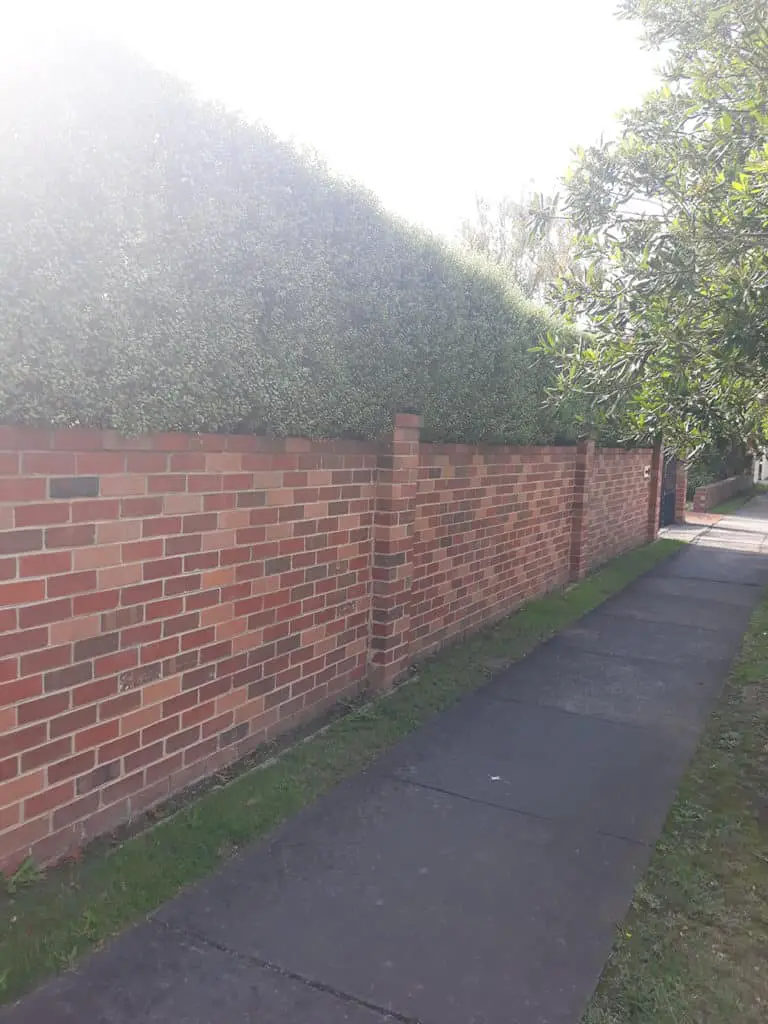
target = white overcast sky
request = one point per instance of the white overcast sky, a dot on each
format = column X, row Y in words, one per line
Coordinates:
column 426, row 102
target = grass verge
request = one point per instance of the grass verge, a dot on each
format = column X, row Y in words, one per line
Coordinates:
column 693, row 947
column 52, row 920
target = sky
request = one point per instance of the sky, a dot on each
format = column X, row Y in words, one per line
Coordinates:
column 428, row 103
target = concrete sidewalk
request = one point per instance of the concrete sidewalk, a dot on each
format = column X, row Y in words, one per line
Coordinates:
column 475, row 874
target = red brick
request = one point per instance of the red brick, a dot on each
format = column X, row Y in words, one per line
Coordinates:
column 82, row 626
column 28, row 640
column 146, row 462
column 117, row 662
column 124, row 484
column 119, row 576
column 97, row 557
column 162, row 568
column 159, row 730
column 98, row 690
column 43, row 661
column 161, row 527
column 123, row 788
column 118, row 748
column 100, row 462
column 181, row 624
column 164, row 769
column 142, row 634
column 121, row 618
column 9, row 620
column 167, row 483
column 42, row 755
column 48, row 611
column 46, row 463
column 9, row 768
column 24, row 489
column 76, row 810
column 70, row 767
column 72, row 722
column 184, row 545
column 145, row 756
column 46, row 514
column 70, row 536
column 116, row 706
column 51, row 797
column 183, row 584
column 93, row 510
column 71, row 583
column 23, row 592
column 140, row 507
column 141, row 594
column 9, row 816
column 97, row 734
column 15, row 845
column 182, row 739
column 43, row 708
column 99, row 601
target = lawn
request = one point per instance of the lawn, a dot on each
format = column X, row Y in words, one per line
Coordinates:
column 738, row 500
column 48, row 921
column 693, row 949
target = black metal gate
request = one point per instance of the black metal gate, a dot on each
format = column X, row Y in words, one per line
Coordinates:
column 668, row 485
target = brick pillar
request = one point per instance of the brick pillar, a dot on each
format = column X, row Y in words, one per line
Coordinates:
column 393, row 551
column 654, row 491
column 681, row 488
column 579, row 563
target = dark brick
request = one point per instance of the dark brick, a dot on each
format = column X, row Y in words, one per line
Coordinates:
column 98, row 777
column 251, row 499
column 198, row 677
column 74, row 487
column 95, row 646
column 290, row 643
column 70, row 676
column 70, row 536
column 12, row 542
column 275, row 565
column 140, row 676
column 233, row 735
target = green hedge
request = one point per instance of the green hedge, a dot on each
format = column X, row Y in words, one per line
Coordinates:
column 167, row 266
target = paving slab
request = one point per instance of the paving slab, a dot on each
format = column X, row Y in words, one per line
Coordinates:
column 155, row 976
column 442, row 909
column 605, row 775
column 657, row 587
column 695, row 611
column 714, row 563
column 684, row 646
column 637, row 691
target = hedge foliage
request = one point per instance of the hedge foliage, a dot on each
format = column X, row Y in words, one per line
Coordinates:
column 166, row 265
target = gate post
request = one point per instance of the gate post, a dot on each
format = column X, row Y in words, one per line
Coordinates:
column 579, row 560
column 654, row 491
column 681, row 490
column 397, row 480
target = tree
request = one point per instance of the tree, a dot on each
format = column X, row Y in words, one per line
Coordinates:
column 527, row 237
column 674, row 216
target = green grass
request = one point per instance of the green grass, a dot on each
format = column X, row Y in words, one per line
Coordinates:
column 693, row 948
column 52, row 920
column 737, row 501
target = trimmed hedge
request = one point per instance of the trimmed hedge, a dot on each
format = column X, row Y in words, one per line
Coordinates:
column 166, row 265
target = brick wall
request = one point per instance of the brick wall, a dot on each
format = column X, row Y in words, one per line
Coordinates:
column 492, row 529
column 711, row 495
column 620, row 488
column 169, row 602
